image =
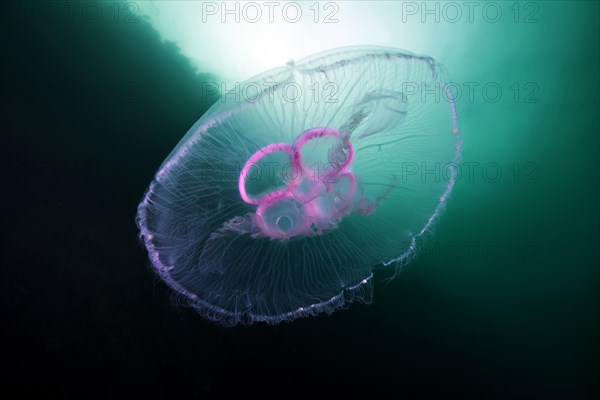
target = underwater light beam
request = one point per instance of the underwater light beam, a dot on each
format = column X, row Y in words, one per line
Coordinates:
column 237, row 39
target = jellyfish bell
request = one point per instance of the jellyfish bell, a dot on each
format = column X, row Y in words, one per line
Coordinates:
column 278, row 206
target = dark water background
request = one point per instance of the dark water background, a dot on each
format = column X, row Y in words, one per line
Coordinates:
column 503, row 302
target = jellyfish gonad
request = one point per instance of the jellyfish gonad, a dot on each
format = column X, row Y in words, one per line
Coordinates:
column 280, row 204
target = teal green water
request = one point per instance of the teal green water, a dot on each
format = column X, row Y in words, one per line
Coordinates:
column 503, row 301
column 514, row 259
column 518, row 258
column 526, row 268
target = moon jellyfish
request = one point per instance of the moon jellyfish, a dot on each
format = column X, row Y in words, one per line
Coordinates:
column 285, row 196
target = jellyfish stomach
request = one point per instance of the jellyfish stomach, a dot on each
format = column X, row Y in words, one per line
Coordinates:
column 307, row 206
column 294, row 213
